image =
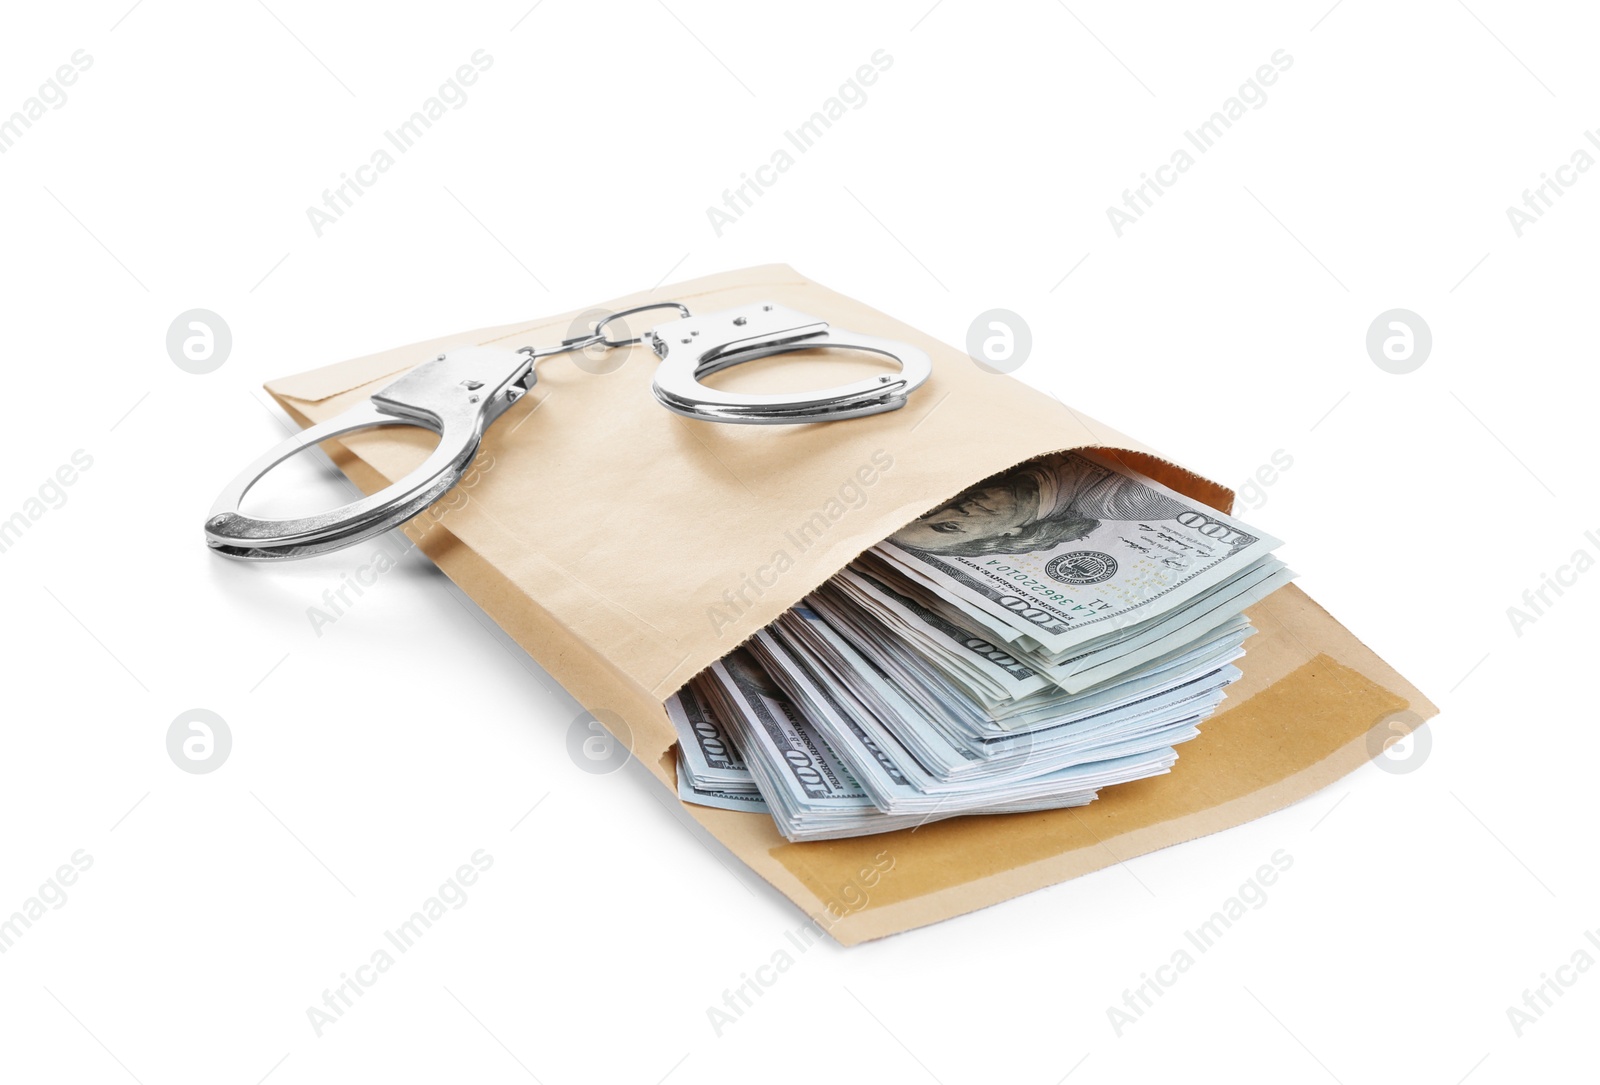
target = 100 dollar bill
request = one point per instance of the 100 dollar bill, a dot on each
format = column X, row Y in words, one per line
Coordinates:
column 1073, row 547
column 708, row 754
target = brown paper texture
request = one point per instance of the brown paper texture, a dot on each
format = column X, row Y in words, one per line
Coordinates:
column 626, row 548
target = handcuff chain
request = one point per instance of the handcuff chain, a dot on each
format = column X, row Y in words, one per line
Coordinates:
column 597, row 336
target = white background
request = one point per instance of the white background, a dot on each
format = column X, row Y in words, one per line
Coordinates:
column 369, row 762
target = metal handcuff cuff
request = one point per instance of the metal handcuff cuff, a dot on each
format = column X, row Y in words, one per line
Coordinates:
column 460, row 394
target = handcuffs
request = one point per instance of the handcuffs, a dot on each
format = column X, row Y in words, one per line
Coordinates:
column 461, row 393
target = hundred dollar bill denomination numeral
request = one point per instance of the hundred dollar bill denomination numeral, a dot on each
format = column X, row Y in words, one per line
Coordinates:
column 991, row 667
column 708, row 753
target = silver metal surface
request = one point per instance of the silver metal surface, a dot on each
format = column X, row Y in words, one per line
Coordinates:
column 699, row 346
column 612, row 344
column 456, row 395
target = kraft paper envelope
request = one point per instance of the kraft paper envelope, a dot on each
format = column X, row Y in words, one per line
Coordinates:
column 626, row 548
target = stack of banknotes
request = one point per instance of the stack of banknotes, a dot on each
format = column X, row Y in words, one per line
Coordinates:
column 1051, row 631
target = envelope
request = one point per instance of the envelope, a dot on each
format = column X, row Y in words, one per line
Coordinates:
column 626, row 548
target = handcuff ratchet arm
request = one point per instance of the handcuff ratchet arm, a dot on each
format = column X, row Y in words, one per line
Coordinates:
column 457, row 395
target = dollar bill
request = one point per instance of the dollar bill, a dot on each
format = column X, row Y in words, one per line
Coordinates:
column 926, row 722
column 1055, row 630
column 1071, row 548
column 991, row 671
column 874, row 737
column 707, row 752
column 746, row 800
